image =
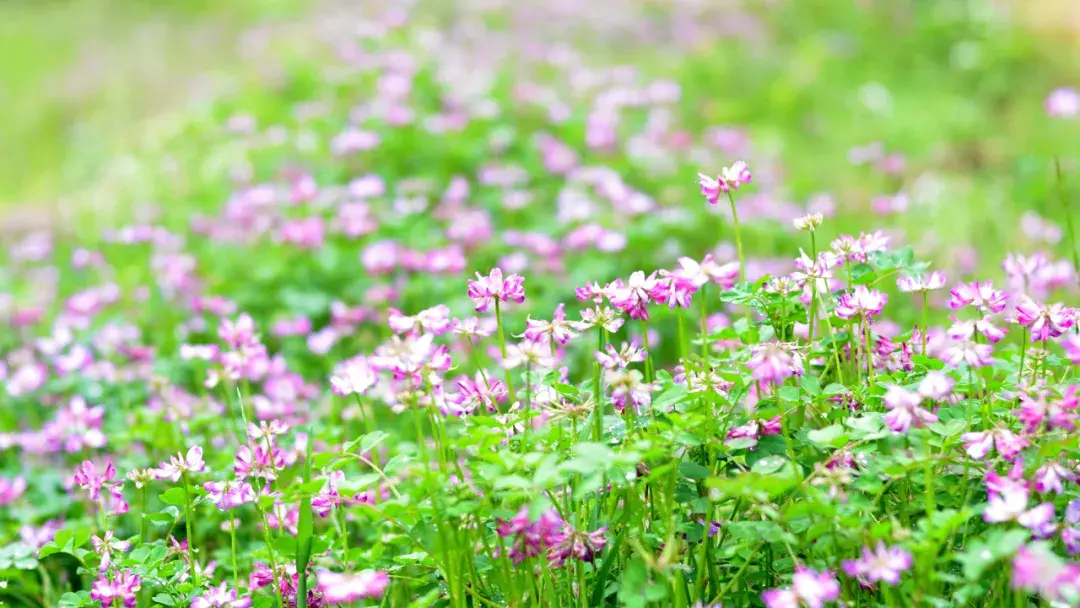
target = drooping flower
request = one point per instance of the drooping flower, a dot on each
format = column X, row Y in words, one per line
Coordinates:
column 338, row 588
column 479, row 392
column 882, row 564
column 530, row 538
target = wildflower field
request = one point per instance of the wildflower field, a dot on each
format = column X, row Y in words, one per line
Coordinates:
column 577, row 304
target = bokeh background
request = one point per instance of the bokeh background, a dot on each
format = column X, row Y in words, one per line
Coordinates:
column 101, row 98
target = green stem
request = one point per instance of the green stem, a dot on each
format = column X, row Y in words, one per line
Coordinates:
column 502, row 350
column 232, row 538
column 190, row 537
column 1069, row 228
column 738, row 238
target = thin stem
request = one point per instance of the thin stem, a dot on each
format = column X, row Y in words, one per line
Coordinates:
column 738, row 238
column 190, row 536
column 232, row 539
column 502, row 350
column 648, row 350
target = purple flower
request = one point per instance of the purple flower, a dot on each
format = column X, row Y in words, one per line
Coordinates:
column 882, row 564
column 981, row 296
column 178, row 465
column 574, row 544
column 1045, row 322
column 530, row 539
column 558, row 329
column 1008, row 445
column 922, row 282
column 773, row 362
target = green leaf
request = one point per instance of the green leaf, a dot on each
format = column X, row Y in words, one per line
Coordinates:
column 164, row 599
column 835, row 389
column 830, row 436
column 982, row 554
column 812, row 385
column 174, row 496
column 693, row 470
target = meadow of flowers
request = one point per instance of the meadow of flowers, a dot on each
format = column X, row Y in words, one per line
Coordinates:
column 456, row 318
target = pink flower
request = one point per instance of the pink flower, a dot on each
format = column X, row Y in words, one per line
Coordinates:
column 628, row 353
column 229, row 494
column 240, row 333
column 87, row 478
column 904, row 410
column 558, row 329
column 860, row 302
column 481, row 392
column 633, row 297
column 808, row 588
column 337, row 588
column 106, row 546
column 708, row 271
column 965, row 330
column 353, row 377
column 922, row 282
column 11, row 489
column 936, row 385
column 485, row 290
column 982, row 296
column 1038, row 408
column 178, row 465
column 1007, row 496
column 978, row 444
column 573, row 544
column 628, row 388
column 1072, row 349
column 221, row 597
column 1049, row 477
column 1044, row 322
column 604, row 317
column 124, row 587
column 975, row 355
column 434, row 320
column 774, row 362
column 530, row 538
column 882, row 564
column 754, row 430
column 1062, row 102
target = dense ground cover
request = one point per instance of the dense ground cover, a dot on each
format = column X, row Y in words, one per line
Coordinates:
column 471, row 316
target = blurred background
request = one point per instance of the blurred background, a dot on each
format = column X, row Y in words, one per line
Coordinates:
column 96, row 92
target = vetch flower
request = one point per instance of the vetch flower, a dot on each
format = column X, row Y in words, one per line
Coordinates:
column 883, row 563
column 921, row 282
column 180, row 464
column 1008, row 445
column 774, row 362
column 229, row 494
column 860, row 302
column 982, row 296
column 530, row 538
column 808, row 588
column 1045, row 322
column 338, row 588
column 124, row 587
column 574, row 544
column 603, row 317
column 485, row 290
column 353, row 377
column 905, row 410
column 221, row 597
column 558, row 329
column 809, row 222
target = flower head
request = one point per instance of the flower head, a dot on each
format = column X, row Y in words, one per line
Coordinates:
column 884, row 564
column 338, row 588
column 178, row 465
column 486, row 290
